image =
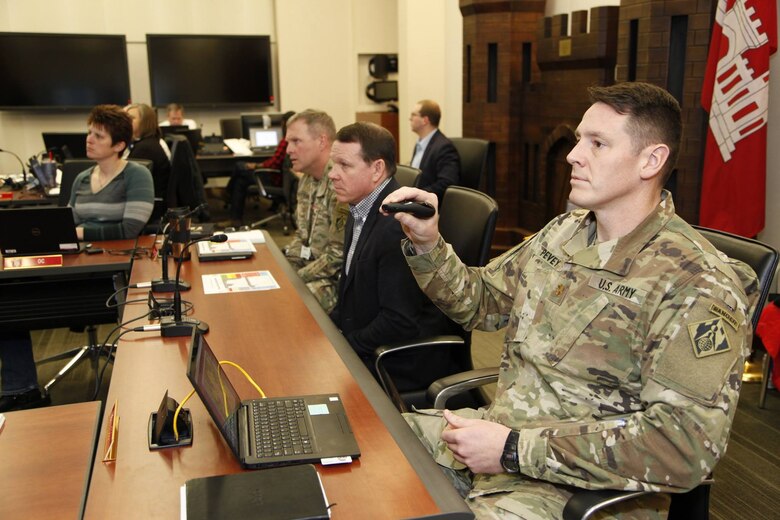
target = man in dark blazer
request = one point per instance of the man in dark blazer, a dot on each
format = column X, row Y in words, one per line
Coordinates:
column 433, row 153
column 379, row 301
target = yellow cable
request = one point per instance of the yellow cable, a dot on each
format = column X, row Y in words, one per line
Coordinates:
column 224, row 394
column 176, row 416
column 259, row 390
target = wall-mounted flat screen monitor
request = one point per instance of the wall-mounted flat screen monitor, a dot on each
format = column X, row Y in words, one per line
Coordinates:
column 46, row 71
column 210, row 70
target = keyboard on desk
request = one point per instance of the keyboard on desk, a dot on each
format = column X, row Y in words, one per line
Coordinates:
column 214, row 149
column 280, row 428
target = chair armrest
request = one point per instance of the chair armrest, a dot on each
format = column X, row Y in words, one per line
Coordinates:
column 583, row 503
column 265, row 184
column 386, row 351
column 433, row 341
column 267, row 170
column 442, row 389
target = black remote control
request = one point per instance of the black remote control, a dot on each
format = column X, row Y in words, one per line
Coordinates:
column 421, row 210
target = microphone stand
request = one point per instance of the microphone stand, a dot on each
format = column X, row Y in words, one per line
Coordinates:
column 164, row 284
column 24, row 172
column 179, row 325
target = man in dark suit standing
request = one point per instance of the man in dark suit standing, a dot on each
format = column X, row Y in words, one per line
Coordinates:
column 434, row 154
column 379, row 301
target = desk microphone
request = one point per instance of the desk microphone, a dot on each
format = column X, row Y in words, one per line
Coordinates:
column 163, row 284
column 177, row 325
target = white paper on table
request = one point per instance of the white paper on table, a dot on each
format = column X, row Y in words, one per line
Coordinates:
column 238, row 282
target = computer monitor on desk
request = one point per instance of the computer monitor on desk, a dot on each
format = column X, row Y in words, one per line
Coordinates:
column 173, row 129
column 265, row 139
column 195, row 137
column 65, row 145
column 267, row 120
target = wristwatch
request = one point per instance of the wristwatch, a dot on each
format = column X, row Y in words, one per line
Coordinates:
column 509, row 460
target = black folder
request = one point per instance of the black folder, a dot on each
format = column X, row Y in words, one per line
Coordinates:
column 285, row 493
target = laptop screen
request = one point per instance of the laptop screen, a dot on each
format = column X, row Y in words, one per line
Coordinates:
column 37, row 231
column 212, row 385
column 265, row 137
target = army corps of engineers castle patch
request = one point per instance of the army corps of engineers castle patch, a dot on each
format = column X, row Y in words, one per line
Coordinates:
column 708, row 337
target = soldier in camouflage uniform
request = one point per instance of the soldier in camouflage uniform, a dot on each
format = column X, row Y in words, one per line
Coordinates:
column 317, row 249
column 626, row 332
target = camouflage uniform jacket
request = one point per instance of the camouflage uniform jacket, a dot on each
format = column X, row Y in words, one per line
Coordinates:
column 321, row 220
column 622, row 360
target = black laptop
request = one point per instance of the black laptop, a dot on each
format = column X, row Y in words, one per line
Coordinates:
column 274, row 431
column 37, row 231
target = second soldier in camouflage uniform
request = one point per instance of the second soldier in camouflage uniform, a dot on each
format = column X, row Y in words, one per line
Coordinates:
column 623, row 352
column 317, row 249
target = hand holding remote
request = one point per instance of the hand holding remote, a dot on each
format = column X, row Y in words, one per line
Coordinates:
column 421, row 210
column 421, row 227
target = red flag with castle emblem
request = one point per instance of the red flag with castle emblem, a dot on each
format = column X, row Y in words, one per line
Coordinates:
column 736, row 95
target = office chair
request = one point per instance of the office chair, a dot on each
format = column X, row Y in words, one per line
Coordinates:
column 757, row 256
column 467, row 222
column 407, row 176
column 285, row 196
column 763, row 259
column 230, row 128
column 473, row 160
column 72, row 167
column 185, row 186
column 70, row 170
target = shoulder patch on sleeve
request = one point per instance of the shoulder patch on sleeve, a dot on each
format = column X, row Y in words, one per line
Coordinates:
column 340, row 215
column 726, row 315
column 708, row 337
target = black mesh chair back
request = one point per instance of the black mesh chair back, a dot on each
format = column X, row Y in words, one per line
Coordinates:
column 473, row 160
column 407, row 176
column 70, row 170
column 185, row 186
column 467, row 222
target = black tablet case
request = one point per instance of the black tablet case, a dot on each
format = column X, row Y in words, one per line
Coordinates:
column 284, row 493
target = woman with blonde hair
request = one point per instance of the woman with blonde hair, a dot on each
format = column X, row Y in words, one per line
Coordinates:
column 148, row 144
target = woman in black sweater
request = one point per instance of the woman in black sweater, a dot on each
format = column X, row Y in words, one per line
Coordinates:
column 148, row 144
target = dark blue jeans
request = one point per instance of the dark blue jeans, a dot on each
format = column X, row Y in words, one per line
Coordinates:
column 237, row 187
column 17, row 366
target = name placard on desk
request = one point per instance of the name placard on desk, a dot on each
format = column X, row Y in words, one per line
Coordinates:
column 32, row 262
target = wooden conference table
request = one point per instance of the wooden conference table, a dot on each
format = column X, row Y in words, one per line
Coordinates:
column 289, row 346
column 36, row 444
column 73, row 294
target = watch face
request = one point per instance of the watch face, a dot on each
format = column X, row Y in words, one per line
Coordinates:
column 509, row 460
column 510, row 464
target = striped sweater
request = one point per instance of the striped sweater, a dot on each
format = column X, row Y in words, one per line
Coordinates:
column 118, row 211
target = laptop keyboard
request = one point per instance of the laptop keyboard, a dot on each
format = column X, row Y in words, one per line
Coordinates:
column 280, row 428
